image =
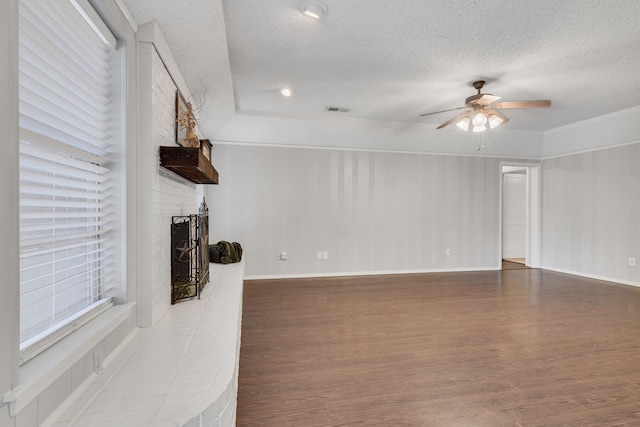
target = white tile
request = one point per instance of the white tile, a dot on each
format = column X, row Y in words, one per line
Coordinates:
column 228, row 414
column 162, row 423
column 193, row 422
column 178, row 372
column 181, row 398
column 177, row 414
column 210, row 415
column 117, row 410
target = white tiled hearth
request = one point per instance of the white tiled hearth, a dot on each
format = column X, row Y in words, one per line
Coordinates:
column 184, row 370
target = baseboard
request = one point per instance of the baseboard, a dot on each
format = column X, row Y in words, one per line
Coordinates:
column 592, row 276
column 368, row 273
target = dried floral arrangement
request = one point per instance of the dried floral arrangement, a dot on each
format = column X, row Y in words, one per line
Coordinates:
column 186, row 119
column 185, row 123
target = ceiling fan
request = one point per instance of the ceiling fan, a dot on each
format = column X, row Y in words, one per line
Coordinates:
column 482, row 110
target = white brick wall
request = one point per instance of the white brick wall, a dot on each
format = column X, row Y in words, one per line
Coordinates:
column 163, row 194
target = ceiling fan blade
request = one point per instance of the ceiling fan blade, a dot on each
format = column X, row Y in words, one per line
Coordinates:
column 487, row 99
column 443, row 111
column 453, row 119
column 523, row 104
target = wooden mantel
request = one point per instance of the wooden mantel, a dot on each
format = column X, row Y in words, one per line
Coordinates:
column 189, row 163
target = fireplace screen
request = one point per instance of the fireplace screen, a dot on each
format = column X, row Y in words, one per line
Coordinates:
column 190, row 256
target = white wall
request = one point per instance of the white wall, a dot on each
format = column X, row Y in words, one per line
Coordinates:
column 591, row 202
column 162, row 193
column 9, row 261
column 372, row 211
column 352, row 203
column 591, row 214
column 359, row 134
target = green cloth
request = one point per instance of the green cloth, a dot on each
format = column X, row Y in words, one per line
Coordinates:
column 228, row 253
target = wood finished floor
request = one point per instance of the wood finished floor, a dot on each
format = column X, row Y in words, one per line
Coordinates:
column 510, row 265
column 506, row 348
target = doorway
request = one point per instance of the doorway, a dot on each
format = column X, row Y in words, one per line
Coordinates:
column 519, row 215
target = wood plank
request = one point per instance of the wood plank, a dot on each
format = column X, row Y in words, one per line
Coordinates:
column 513, row 347
column 189, row 163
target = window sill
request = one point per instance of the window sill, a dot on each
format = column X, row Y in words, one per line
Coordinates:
column 44, row 369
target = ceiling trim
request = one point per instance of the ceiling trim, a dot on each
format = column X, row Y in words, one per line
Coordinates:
column 371, row 150
column 590, row 150
column 593, row 120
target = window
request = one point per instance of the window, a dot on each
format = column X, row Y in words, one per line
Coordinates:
column 66, row 56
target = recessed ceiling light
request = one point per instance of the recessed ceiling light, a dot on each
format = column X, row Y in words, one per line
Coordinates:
column 285, row 92
column 314, row 9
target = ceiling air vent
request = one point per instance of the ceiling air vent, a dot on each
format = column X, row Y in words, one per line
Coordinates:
column 336, row 110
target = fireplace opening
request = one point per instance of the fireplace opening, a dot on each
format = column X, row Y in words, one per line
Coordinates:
column 189, row 254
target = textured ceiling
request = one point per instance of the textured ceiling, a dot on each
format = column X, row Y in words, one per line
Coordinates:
column 393, row 60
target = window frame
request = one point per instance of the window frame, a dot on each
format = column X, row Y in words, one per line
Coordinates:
column 32, row 347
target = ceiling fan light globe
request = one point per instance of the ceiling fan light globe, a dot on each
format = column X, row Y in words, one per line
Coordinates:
column 495, row 121
column 481, row 128
column 479, row 119
column 464, row 123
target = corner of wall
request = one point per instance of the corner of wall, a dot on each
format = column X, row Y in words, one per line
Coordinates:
column 151, row 33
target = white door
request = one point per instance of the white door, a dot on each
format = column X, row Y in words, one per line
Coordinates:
column 514, row 215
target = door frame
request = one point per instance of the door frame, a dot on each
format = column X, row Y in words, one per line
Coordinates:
column 533, row 207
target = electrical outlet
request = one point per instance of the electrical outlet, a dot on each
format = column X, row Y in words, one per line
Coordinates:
column 319, row 255
column 632, row 262
column 447, row 251
column 325, row 255
column 283, row 256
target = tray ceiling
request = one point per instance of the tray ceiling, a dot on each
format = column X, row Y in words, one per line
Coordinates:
column 392, row 61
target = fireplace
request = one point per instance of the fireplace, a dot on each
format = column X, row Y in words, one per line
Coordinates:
column 189, row 254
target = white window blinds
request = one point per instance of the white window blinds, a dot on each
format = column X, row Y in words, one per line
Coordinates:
column 65, row 56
